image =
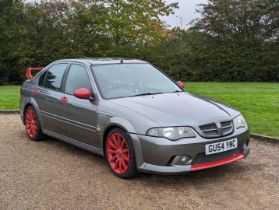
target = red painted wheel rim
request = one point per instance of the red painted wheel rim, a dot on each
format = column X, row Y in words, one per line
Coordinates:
column 118, row 154
column 31, row 123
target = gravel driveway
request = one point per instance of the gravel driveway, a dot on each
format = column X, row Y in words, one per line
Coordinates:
column 51, row 174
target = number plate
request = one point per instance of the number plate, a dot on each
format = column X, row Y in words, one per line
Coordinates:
column 220, row 146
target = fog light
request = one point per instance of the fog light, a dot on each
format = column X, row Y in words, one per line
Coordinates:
column 186, row 159
column 181, row 160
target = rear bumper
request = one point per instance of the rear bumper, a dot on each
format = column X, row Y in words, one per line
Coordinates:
column 156, row 155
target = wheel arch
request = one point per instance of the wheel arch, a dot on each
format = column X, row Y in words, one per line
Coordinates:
column 125, row 125
column 31, row 102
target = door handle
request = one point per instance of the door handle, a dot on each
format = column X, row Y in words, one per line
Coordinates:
column 64, row 99
column 36, row 91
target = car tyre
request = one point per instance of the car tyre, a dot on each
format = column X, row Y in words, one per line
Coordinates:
column 120, row 154
column 32, row 125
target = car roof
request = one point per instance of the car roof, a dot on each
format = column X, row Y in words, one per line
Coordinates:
column 100, row 61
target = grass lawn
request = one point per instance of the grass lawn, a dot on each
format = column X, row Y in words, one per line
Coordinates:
column 259, row 102
column 9, row 97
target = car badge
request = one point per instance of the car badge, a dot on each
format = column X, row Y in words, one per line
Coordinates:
column 219, row 128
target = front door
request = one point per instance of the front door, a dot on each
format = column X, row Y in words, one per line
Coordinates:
column 80, row 113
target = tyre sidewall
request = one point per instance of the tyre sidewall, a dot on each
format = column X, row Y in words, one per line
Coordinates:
column 132, row 169
column 39, row 134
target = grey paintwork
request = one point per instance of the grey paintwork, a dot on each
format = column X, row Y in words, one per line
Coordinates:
column 85, row 123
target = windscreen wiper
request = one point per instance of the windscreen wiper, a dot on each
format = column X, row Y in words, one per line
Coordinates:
column 147, row 94
column 178, row 91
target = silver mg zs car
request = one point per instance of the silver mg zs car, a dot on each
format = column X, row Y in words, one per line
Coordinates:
column 133, row 114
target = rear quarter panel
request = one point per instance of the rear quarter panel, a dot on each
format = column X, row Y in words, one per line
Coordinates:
column 27, row 99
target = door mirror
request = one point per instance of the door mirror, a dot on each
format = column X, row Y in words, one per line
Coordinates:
column 82, row 93
column 180, row 84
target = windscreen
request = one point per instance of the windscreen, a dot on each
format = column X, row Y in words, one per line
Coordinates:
column 128, row 80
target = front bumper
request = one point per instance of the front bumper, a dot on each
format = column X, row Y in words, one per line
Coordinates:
column 157, row 155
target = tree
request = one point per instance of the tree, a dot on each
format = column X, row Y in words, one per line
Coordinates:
column 128, row 24
column 232, row 41
column 89, row 28
column 10, row 26
column 242, row 36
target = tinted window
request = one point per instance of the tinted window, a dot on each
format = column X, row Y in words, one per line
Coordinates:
column 77, row 78
column 54, row 76
column 42, row 79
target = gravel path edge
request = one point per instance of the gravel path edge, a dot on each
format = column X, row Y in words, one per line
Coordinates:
column 9, row 111
column 264, row 138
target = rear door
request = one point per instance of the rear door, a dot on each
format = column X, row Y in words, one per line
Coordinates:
column 49, row 97
column 80, row 113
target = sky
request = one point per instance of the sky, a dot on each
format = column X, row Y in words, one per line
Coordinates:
column 186, row 11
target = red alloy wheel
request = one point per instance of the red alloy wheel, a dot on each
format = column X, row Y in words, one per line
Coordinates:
column 118, row 154
column 31, row 122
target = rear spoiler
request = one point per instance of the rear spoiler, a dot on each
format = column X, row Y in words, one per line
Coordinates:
column 28, row 71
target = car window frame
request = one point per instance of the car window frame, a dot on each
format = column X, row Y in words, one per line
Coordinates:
column 46, row 71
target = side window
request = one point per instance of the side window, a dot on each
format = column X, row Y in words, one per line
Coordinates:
column 42, row 79
column 77, row 78
column 54, row 76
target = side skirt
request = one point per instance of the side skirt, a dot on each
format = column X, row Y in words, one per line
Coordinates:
column 74, row 142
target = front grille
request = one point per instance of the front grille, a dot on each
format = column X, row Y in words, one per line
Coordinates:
column 211, row 130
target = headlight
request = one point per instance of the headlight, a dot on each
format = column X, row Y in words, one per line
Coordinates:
column 239, row 122
column 172, row 133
